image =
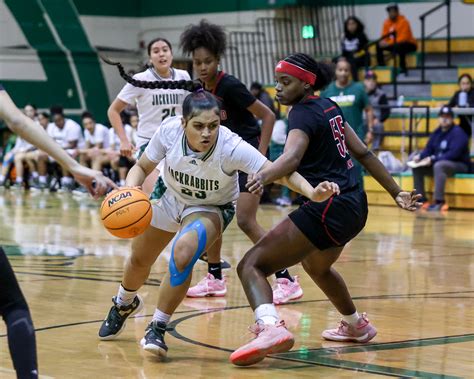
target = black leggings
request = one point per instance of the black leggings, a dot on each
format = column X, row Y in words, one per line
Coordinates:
column 20, row 329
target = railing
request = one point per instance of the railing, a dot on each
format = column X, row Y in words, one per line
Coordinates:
column 424, row 111
column 395, row 63
column 424, row 37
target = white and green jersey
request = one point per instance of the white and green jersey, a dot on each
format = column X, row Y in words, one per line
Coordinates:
column 209, row 178
column 154, row 105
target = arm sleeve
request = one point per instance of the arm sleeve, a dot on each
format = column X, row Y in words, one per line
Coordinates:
column 129, row 93
column 74, row 133
column 429, row 149
column 156, row 150
column 244, row 157
column 384, row 110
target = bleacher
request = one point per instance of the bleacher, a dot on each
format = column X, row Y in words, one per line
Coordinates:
column 441, row 83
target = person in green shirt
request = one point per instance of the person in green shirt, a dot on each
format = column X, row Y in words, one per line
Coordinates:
column 353, row 101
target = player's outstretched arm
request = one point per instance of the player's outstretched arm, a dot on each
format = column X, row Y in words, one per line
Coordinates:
column 95, row 182
column 296, row 183
column 117, row 106
column 405, row 200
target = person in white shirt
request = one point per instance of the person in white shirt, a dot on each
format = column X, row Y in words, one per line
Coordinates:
column 68, row 134
column 16, row 155
column 97, row 141
column 119, row 162
column 198, row 187
column 153, row 106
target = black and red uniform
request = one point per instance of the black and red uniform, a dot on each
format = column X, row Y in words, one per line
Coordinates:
column 337, row 220
column 234, row 100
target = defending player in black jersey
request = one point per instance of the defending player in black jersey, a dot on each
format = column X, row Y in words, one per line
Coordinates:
column 320, row 146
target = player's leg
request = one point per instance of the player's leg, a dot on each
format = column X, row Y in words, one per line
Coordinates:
column 198, row 232
column 283, row 246
column 20, row 329
column 353, row 327
column 127, row 302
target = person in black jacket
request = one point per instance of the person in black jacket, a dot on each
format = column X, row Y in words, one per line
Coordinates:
column 353, row 44
column 464, row 98
column 379, row 102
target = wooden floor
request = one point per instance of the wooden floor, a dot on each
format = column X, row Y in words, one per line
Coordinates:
column 412, row 273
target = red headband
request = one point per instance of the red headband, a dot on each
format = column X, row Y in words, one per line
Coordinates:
column 296, row 71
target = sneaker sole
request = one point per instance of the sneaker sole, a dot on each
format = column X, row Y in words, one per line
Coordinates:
column 253, row 356
column 153, row 349
column 213, row 294
column 362, row 339
column 296, row 296
column 113, row 336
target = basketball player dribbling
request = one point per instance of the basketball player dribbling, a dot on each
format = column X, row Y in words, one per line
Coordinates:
column 198, row 185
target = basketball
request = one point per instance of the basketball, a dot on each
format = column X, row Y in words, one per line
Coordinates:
column 126, row 213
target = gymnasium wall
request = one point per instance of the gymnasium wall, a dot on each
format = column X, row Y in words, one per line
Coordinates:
column 48, row 48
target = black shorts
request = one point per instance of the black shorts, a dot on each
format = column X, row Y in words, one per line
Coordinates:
column 333, row 222
column 125, row 162
column 10, row 292
column 255, row 141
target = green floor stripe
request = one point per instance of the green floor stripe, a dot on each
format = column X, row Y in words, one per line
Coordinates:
column 322, row 356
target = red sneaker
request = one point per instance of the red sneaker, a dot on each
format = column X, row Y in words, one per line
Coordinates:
column 270, row 339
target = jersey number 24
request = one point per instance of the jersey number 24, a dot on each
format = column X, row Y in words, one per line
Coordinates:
column 166, row 112
column 337, row 127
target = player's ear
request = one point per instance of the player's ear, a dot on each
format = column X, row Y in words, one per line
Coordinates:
column 183, row 122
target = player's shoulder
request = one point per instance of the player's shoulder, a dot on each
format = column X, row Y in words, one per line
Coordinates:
column 181, row 74
column 170, row 129
column 144, row 75
column 228, row 138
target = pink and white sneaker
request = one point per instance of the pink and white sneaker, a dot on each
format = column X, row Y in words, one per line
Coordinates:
column 208, row 286
column 362, row 332
column 284, row 290
column 270, row 339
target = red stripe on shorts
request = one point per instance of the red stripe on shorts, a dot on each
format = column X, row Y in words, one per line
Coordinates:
column 323, row 217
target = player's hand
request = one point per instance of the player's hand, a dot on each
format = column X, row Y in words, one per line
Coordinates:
column 408, row 200
column 95, row 182
column 126, row 148
column 324, row 191
column 255, row 184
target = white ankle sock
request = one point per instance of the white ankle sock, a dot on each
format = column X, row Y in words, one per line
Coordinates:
column 42, row 179
column 2, row 178
column 122, row 183
column 34, row 174
column 125, row 297
column 351, row 319
column 266, row 314
column 161, row 316
column 19, row 179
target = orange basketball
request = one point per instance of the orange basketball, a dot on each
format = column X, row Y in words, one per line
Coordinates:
column 126, row 213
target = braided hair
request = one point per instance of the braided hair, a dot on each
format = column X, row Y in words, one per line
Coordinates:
column 188, row 85
column 324, row 72
column 210, row 36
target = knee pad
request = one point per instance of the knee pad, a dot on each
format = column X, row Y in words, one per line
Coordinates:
column 177, row 278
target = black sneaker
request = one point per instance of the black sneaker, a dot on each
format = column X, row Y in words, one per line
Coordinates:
column 154, row 340
column 224, row 264
column 115, row 321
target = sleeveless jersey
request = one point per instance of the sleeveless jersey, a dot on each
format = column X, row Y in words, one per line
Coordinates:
column 154, row 105
column 326, row 157
column 210, row 178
